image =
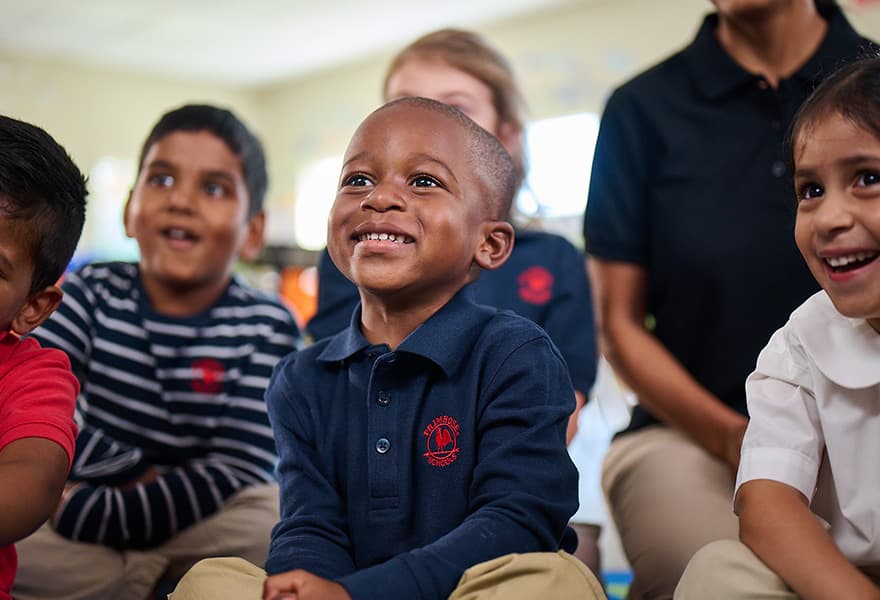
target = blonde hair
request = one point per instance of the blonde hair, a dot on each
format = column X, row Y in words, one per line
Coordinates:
column 471, row 53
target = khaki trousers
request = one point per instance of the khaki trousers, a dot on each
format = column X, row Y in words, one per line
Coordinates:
column 668, row 498
column 52, row 567
column 728, row 570
column 533, row 576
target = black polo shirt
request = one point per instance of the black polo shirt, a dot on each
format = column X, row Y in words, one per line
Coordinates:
column 690, row 180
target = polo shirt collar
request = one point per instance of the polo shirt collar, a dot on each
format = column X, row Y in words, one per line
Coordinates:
column 445, row 338
column 715, row 73
column 835, row 49
column 347, row 342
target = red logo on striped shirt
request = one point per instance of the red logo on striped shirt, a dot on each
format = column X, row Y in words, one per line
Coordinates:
column 208, row 376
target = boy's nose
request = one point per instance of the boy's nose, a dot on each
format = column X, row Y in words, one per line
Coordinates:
column 180, row 199
column 384, row 196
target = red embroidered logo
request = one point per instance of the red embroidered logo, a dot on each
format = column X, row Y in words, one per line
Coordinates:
column 535, row 285
column 208, row 376
column 442, row 441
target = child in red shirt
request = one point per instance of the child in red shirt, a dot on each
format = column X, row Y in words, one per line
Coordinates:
column 42, row 209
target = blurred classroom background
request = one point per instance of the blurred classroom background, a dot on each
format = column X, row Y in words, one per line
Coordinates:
column 98, row 73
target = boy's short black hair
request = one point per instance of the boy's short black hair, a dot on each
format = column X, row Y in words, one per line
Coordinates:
column 229, row 128
column 853, row 92
column 40, row 184
column 490, row 160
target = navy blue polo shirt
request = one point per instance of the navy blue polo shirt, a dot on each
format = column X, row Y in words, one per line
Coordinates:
column 401, row 469
column 690, row 180
column 543, row 280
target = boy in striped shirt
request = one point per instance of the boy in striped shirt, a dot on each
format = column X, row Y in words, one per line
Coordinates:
column 175, row 457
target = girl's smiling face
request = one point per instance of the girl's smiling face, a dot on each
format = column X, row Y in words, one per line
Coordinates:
column 837, row 179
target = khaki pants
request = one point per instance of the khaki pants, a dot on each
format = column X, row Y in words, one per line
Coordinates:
column 52, row 567
column 668, row 498
column 538, row 576
column 728, row 570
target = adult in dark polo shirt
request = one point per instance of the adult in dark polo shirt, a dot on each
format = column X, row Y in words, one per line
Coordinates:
column 689, row 229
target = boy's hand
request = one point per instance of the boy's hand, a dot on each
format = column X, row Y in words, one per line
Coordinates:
column 302, row 585
column 151, row 475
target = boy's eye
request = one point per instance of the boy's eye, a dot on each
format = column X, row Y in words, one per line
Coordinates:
column 809, row 191
column 160, row 180
column 356, row 180
column 867, row 178
column 215, row 190
column 425, row 181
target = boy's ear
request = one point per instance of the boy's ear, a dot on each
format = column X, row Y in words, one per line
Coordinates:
column 36, row 309
column 125, row 212
column 253, row 240
column 496, row 244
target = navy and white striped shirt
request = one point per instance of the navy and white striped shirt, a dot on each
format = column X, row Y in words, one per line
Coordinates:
column 181, row 395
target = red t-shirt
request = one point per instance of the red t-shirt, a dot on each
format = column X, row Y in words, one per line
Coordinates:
column 37, row 399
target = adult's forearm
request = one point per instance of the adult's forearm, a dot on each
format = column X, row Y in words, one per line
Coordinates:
column 668, row 391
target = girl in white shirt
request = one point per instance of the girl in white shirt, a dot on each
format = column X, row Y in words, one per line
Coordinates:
column 808, row 487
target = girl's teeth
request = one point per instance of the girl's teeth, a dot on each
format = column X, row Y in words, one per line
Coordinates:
column 842, row 261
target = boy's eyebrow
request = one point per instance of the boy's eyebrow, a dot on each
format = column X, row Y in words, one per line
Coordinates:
column 222, row 175
column 164, row 164
column 357, row 156
column 428, row 158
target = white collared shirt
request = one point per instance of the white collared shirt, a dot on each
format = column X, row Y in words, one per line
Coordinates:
column 814, row 403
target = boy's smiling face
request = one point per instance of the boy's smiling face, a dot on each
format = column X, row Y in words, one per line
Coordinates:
column 188, row 212
column 411, row 213
column 837, row 179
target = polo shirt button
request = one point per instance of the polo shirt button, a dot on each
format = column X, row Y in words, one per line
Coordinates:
column 762, row 84
column 778, row 168
column 383, row 398
column 775, row 124
column 383, row 445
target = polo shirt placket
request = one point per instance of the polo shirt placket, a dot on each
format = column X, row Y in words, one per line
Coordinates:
column 385, row 441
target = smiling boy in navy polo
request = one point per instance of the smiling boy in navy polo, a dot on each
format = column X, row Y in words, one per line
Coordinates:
column 429, row 436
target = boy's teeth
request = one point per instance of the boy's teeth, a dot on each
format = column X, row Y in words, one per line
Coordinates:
column 842, row 261
column 177, row 234
column 390, row 237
